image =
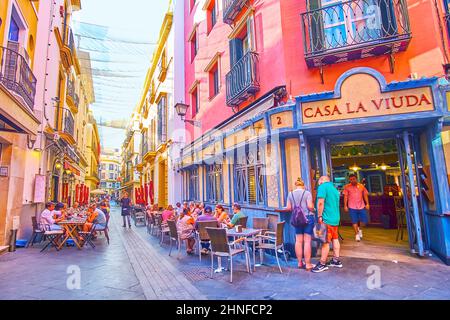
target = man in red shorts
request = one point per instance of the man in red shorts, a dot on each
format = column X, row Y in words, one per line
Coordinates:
column 329, row 214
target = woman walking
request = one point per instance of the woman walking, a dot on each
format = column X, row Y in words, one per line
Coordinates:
column 125, row 203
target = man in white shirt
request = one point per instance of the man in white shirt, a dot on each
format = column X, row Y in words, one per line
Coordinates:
column 46, row 218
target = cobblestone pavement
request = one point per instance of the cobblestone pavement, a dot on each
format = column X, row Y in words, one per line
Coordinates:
column 136, row 266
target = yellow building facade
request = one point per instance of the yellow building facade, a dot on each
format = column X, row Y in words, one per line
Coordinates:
column 19, row 122
column 153, row 111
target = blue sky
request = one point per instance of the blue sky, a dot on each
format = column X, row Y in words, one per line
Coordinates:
column 120, row 36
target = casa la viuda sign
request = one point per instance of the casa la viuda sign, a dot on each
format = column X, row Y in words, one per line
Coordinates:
column 361, row 97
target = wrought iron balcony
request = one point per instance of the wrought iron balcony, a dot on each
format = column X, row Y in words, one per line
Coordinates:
column 243, row 79
column 231, row 9
column 69, row 123
column 16, row 75
column 355, row 29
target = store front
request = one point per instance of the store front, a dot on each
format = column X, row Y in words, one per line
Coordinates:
column 391, row 135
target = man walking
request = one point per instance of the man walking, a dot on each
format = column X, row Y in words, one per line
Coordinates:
column 356, row 202
column 328, row 213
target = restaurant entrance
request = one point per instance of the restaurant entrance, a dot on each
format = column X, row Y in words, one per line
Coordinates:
column 398, row 181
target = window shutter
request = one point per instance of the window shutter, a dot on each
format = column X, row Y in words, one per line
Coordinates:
column 316, row 26
column 235, row 51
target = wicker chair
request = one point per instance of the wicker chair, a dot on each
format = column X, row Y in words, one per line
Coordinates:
column 222, row 248
column 105, row 230
column 243, row 222
column 272, row 241
column 202, row 234
column 162, row 227
column 273, row 220
column 263, row 225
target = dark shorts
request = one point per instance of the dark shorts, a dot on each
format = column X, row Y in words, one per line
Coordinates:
column 306, row 228
column 358, row 215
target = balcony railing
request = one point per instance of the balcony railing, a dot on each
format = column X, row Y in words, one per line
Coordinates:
column 69, row 123
column 231, row 9
column 243, row 79
column 16, row 75
column 341, row 31
column 71, row 93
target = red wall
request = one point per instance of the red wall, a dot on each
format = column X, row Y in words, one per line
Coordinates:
column 281, row 57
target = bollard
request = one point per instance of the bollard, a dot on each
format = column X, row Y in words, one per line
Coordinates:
column 12, row 241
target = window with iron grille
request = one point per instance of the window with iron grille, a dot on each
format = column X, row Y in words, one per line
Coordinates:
column 193, row 185
column 249, row 178
column 214, row 185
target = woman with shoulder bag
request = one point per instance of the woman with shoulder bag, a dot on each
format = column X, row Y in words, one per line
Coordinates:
column 125, row 203
column 300, row 203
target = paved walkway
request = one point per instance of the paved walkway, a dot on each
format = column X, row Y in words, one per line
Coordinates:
column 136, row 266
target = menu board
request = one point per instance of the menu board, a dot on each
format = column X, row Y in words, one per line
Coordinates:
column 375, row 184
column 39, row 189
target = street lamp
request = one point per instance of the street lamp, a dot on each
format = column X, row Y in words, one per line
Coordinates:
column 181, row 109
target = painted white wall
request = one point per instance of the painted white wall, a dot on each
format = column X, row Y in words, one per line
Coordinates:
column 175, row 124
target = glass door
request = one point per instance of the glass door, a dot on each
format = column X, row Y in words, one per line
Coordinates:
column 410, row 189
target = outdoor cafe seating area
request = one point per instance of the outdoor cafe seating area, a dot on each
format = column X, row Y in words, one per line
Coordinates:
column 247, row 242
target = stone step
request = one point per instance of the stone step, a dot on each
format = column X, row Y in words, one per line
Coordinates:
column 3, row 249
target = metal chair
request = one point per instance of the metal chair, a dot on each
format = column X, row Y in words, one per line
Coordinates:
column 272, row 241
column 202, row 234
column 87, row 236
column 139, row 217
column 52, row 236
column 150, row 222
column 222, row 248
column 36, row 232
column 263, row 225
column 173, row 236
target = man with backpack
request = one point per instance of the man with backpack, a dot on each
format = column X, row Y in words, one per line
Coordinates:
column 300, row 204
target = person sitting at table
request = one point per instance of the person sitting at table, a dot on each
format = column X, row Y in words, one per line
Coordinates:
column 168, row 214
column 237, row 215
column 58, row 212
column 207, row 216
column 47, row 219
column 74, row 210
column 186, row 230
column 95, row 217
column 220, row 214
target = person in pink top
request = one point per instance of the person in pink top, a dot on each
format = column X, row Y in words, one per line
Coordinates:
column 356, row 203
column 168, row 214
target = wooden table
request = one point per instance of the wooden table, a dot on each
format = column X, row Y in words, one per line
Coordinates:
column 71, row 230
column 246, row 233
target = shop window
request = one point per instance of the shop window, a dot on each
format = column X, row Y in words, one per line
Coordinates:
column 249, row 177
column 214, row 186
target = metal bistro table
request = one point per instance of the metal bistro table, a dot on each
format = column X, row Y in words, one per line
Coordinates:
column 246, row 233
column 71, row 230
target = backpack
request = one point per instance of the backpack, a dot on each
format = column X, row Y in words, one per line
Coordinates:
column 298, row 217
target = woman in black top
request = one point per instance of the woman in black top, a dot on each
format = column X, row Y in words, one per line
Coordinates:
column 125, row 203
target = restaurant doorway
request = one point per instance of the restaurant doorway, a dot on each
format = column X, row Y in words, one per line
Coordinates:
column 392, row 170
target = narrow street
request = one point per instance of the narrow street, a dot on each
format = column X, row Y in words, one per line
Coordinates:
column 135, row 266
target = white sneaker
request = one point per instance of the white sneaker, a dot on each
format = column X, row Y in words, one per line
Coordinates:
column 358, row 238
column 360, row 233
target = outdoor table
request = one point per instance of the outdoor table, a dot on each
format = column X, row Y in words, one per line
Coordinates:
column 245, row 233
column 71, row 230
